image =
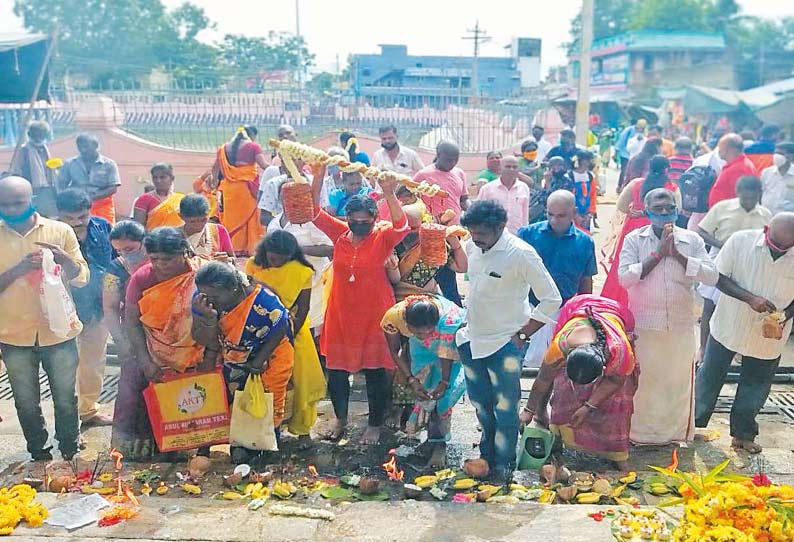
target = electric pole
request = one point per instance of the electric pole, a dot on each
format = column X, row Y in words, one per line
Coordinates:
column 583, row 96
column 478, row 36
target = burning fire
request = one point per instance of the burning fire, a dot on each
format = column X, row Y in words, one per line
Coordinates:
column 117, row 456
column 131, row 496
column 312, row 469
column 392, row 470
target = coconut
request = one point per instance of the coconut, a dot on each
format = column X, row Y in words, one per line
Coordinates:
column 60, row 484
column 567, row 493
column 563, row 474
column 582, row 480
column 199, row 466
column 369, row 486
column 548, row 474
column 476, row 468
column 261, row 477
column 412, row 491
column 232, row 480
column 602, row 486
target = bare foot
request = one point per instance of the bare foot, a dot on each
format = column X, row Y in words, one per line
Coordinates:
column 371, row 436
column 334, row 431
column 622, row 466
column 747, row 445
column 438, row 459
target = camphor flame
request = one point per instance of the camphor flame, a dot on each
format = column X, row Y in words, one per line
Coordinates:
column 131, row 496
column 312, row 470
column 392, row 470
column 117, row 456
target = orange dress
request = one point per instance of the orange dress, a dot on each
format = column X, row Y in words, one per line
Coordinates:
column 352, row 338
column 239, row 212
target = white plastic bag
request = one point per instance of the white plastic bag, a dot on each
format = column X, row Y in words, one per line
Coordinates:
column 56, row 303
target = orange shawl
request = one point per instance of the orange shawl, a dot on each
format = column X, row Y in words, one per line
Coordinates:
column 166, row 213
column 104, row 208
column 239, row 212
column 200, row 187
column 167, row 318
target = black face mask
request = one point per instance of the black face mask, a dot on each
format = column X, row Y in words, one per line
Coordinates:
column 388, row 146
column 359, row 229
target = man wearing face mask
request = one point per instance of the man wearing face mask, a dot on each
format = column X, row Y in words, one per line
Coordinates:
column 778, row 180
column 755, row 280
column 26, row 339
column 659, row 266
column 394, row 157
column 31, row 164
column 93, row 235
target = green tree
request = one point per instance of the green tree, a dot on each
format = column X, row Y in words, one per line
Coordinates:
column 322, row 82
column 610, row 17
column 277, row 51
column 692, row 15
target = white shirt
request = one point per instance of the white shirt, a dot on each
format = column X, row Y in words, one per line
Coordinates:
column 543, row 148
column 498, row 301
column 778, row 193
column 746, row 259
column 270, row 199
column 269, row 173
column 728, row 216
column 664, row 299
column 711, row 159
column 406, row 162
column 309, row 235
column 635, row 145
column 515, row 200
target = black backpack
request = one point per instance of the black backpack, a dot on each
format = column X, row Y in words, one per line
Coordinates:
column 695, row 185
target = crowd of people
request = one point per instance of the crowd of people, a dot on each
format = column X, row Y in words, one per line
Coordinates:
column 220, row 278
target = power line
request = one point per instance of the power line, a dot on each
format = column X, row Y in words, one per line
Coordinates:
column 478, row 36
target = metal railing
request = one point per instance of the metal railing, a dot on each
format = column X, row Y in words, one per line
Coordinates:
column 199, row 118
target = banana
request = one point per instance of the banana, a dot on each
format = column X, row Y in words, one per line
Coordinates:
column 547, row 497
column 426, row 481
column 191, row 488
column 659, row 489
column 284, row 490
column 618, row 491
column 464, row 483
column 588, row 498
column 630, row 478
column 231, row 496
column 250, row 489
column 518, row 487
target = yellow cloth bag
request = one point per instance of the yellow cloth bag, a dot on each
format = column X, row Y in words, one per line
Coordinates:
column 246, row 430
column 253, row 399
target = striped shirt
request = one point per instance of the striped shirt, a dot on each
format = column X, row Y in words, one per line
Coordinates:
column 678, row 165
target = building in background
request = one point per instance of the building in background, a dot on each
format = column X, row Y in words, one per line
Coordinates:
column 638, row 63
column 394, row 77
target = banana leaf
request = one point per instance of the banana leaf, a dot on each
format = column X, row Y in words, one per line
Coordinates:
column 379, row 496
column 336, row 492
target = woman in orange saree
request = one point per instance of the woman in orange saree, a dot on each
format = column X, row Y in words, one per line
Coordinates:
column 236, row 165
column 157, row 322
column 161, row 206
column 250, row 329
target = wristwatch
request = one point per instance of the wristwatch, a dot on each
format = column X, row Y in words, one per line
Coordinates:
column 523, row 336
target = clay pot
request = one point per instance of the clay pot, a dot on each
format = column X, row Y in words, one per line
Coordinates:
column 263, row 477
column 60, row 484
column 199, row 466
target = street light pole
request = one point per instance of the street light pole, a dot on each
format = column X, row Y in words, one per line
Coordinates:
column 583, row 96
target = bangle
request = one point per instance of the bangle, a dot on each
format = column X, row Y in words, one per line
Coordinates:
column 412, row 379
column 656, row 256
column 590, row 406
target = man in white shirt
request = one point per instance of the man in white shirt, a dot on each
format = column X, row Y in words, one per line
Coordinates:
column 502, row 270
column 778, row 180
column 510, row 194
column 659, row 266
column 757, row 282
column 285, row 131
column 543, row 146
column 393, row 156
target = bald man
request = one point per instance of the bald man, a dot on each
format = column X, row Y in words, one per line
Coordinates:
column 568, row 254
column 511, row 194
column 756, row 279
column 737, row 165
column 26, row 340
column 93, row 172
column 444, row 173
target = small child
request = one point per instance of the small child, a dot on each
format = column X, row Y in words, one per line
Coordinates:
column 352, row 185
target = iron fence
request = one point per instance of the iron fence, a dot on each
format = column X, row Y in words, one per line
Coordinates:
column 198, row 118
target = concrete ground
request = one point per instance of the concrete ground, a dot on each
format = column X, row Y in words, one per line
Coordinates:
column 177, row 517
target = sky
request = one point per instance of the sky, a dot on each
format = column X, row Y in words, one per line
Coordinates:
column 335, row 29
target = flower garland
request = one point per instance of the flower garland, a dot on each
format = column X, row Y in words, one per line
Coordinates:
column 17, row 504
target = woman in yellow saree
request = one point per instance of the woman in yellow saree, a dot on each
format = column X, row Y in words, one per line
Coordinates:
column 161, row 206
column 279, row 262
column 157, row 323
column 236, row 165
column 248, row 326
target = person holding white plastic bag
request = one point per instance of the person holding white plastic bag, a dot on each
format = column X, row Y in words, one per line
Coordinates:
column 26, row 339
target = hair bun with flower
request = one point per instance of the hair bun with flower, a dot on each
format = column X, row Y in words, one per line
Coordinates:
column 415, row 298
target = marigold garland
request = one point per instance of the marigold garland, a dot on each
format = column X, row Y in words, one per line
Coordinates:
column 17, row 504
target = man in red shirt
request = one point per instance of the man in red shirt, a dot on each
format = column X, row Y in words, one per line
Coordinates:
column 737, row 165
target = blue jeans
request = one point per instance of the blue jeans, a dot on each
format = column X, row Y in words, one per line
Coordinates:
column 755, row 381
column 493, row 384
column 447, row 281
column 60, row 364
